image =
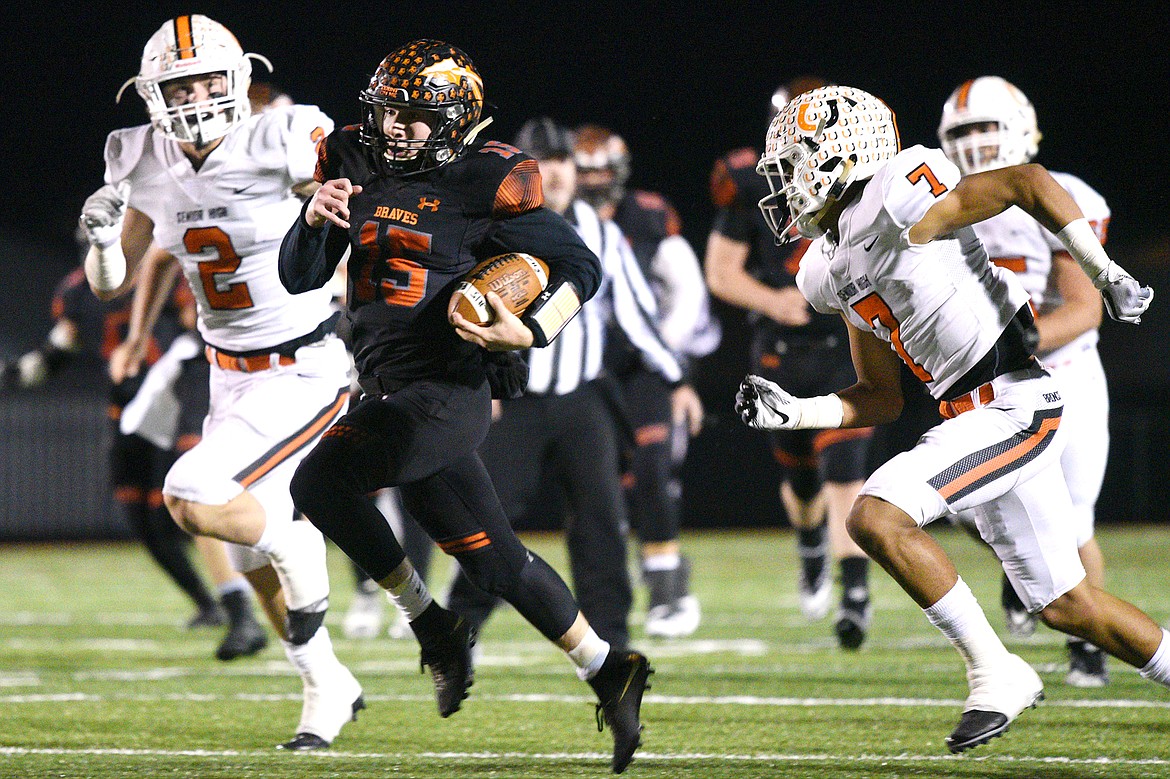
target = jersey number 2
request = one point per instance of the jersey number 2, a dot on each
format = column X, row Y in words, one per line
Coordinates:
column 231, row 296
column 876, row 311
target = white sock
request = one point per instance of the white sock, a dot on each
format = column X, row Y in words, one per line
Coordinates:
column 411, row 595
column 314, row 659
column 588, row 655
column 662, row 562
column 235, row 584
column 958, row 616
column 1158, row 669
column 297, row 553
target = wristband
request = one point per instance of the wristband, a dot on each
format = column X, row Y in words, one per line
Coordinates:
column 551, row 311
column 105, row 269
column 1082, row 243
column 823, row 411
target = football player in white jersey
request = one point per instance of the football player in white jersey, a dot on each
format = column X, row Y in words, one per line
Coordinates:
column 987, row 123
column 895, row 255
column 213, row 188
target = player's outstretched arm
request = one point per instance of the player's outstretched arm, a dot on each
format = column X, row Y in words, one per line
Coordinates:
column 983, row 195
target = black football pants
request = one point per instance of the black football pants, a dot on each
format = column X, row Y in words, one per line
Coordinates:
column 423, row 438
column 571, row 438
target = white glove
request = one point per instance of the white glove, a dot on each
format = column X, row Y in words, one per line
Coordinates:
column 764, row 405
column 101, row 215
column 1125, row 299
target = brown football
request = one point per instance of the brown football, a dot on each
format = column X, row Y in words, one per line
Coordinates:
column 517, row 278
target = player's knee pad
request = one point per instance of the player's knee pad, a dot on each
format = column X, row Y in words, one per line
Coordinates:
column 195, row 478
column 301, row 625
column 805, row 483
column 492, row 570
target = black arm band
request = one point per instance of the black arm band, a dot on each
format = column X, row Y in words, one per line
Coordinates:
column 551, row 311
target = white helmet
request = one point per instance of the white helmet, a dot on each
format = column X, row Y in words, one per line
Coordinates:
column 1005, row 131
column 819, row 144
column 193, row 45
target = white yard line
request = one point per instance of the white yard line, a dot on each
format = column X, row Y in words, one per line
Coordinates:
column 666, row 700
column 577, row 756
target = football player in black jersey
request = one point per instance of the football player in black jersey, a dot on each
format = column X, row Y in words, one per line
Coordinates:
column 419, row 200
column 791, row 344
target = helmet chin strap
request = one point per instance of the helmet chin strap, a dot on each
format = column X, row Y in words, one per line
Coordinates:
column 475, row 131
column 833, row 195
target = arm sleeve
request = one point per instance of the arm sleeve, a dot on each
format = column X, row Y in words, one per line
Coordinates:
column 633, row 306
column 546, row 235
column 309, row 256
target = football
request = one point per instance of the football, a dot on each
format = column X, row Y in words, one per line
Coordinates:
column 517, row 278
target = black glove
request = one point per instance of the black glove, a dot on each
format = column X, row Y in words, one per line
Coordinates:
column 507, row 374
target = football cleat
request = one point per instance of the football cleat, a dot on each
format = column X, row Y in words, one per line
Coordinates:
column 326, row 709
column 363, row 618
column 1086, row 666
column 305, row 742
column 449, row 658
column 620, row 684
column 815, row 596
column 853, row 620
column 997, row 697
column 243, row 639
column 673, row 612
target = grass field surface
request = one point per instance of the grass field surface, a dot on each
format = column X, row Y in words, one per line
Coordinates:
column 98, row 678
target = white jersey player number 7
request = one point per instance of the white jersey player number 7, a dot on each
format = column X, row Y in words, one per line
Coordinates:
column 866, row 274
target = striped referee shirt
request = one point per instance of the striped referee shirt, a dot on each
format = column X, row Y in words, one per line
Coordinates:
column 624, row 297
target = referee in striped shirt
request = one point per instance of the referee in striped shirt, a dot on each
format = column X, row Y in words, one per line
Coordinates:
column 567, row 426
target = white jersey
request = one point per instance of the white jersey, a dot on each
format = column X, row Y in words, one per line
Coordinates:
column 942, row 305
column 1019, row 243
column 225, row 222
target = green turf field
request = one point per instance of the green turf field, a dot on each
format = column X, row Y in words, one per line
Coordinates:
column 98, row 679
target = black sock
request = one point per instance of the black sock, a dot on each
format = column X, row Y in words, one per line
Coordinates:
column 813, row 551
column 434, row 619
column 854, row 580
column 238, row 606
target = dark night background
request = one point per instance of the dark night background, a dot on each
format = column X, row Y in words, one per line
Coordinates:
column 682, row 83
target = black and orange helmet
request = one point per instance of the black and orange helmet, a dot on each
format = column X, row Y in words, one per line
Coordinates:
column 426, row 78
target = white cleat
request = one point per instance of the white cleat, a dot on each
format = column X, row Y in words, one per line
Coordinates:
column 326, row 710
column 674, row 620
column 814, row 601
column 363, row 619
column 997, row 697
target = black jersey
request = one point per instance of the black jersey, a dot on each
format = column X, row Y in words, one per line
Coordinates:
column 412, row 238
column 736, row 189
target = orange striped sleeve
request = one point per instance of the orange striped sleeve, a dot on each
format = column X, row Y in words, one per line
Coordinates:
column 520, row 191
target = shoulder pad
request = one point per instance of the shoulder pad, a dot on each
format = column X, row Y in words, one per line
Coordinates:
column 1090, row 201
column 124, row 149
column 913, row 181
column 292, row 133
column 342, row 156
column 734, row 179
column 501, row 180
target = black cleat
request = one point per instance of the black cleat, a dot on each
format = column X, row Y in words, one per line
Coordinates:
column 976, row 727
column 853, row 619
column 449, row 658
column 620, row 685
column 304, row 742
column 243, row 639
